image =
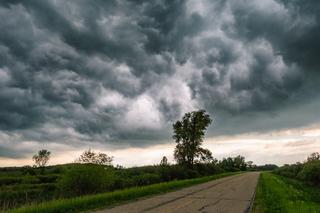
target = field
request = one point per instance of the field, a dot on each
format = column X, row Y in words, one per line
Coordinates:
column 279, row 194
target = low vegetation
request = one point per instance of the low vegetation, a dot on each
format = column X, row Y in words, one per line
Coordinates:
column 280, row 194
column 308, row 172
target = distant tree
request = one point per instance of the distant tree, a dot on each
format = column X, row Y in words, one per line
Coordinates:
column 239, row 162
column 103, row 159
column 227, row 164
column 314, row 157
column 89, row 156
column 234, row 164
column 164, row 161
column 250, row 164
column 268, row 167
column 41, row 158
column 214, row 161
column 188, row 134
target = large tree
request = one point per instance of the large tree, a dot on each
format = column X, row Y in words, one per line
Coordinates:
column 188, row 134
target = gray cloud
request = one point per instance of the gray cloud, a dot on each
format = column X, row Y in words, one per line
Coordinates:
column 120, row 73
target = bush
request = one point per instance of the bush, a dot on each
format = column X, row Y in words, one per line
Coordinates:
column 267, row 167
column 48, row 178
column 208, row 169
column 122, row 183
column 10, row 180
column 146, row 179
column 177, row 172
column 85, row 179
column 290, row 171
column 19, row 194
column 28, row 170
column 311, row 172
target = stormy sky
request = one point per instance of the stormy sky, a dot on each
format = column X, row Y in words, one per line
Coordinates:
column 115, row 75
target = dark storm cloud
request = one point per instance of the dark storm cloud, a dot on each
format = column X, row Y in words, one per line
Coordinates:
column 120, row 72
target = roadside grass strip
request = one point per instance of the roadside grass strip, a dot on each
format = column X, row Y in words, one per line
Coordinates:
column 278, row 194
column 103, row 200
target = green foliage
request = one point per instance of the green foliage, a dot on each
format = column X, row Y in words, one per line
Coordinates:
column 85, row 179
column 311, row 172
column 276, row 194
column 233, row 164
column 28, row 179
column 188, row 134
column 313, row 157
column 15, row 191
column 308, row 172
column 290, row 171
column 146, row 179
column 266, row 167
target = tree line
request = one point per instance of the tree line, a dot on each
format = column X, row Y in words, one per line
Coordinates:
column 307, row 171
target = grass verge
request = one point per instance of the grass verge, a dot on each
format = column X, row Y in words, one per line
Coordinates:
column 91, row 202
column 278, row 194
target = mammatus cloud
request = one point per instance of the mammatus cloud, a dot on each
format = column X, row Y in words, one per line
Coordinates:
column 118, row 73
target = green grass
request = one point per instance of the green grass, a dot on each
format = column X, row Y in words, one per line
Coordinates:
column 278, row 194
column 97, row 201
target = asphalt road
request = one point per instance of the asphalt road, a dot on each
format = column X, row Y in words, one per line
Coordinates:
column 230, row 194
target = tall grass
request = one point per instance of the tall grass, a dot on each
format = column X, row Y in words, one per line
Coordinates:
column 102, row 200
column 278, row 194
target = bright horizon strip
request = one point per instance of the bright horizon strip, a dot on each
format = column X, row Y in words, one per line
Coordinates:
column 276, row 147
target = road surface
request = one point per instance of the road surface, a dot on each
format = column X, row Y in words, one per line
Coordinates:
column 230, row 194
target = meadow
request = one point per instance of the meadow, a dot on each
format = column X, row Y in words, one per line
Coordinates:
column 284, row 195
column 290, row 188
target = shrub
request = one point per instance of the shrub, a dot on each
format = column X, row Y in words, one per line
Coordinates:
column 311, row 172
column 19, row 194
column 208, row 169
column 48, row 178
column 192, row 173
column 28, row 170
column 9, row 180
column 85, row 179
column 177, row 172
column 122, row 183
column 290, row 171
column 146, row 179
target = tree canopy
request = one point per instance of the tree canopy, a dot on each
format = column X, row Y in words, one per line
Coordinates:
column 313, row 157
column 188, row 134
column 90, row 156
